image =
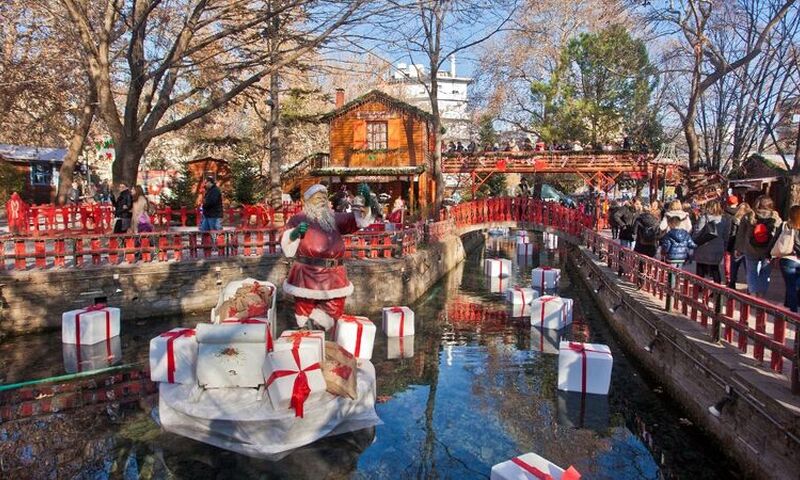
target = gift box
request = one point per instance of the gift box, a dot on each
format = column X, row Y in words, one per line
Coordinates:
column 294, row 377
column 576, row 410
column 525, row 250
column 521, row 295
column 545, row 278
column 231, row 355
column 568, row 302
column 522, row 234
column 356, row 335
column 90, row 325
column 584, row 367
column 398, row 321
column 497, row 267
column 523, row 240
column 290, row 339
column 173, row 356
column 550, row 241
column 340, row 371
column 520, row 310
column 400, row 347
column 532, row 467
column 548, row 312
column 499, row 284
column 545, row 340
column 84, row 358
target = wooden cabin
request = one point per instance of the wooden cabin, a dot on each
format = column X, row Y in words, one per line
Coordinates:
column 200, row 168
column 379, row 140
column 40, row 165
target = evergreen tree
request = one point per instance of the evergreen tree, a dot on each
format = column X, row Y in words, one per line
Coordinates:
column 248, row 185
column 182, row 192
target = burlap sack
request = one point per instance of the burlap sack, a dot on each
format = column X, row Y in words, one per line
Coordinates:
column 339, row 370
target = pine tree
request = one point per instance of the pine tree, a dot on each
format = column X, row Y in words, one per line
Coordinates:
column 182, row 192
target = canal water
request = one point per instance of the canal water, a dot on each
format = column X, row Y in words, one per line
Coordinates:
column 475, row 389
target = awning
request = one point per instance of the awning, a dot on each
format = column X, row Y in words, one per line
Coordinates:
column 392, row 172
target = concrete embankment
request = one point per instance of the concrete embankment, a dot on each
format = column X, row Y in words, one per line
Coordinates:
column 760, row 426
column 34, row 300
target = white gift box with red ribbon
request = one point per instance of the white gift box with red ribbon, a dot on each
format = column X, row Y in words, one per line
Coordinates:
column 523, row 240
column 545, row 340
column 499, row 284
column 90, row 325
column 584, row 367
column 532, row 467
column 545, row 278
column 294, row 378
column 547, row 311
column 173, row 356
column 398, row 321
column 497, row 267
column 550, row 241
column 521, row 295
column 289, row 339
column 567, row 312
column 525, row 249
column 231, row 355
column 400, row 347
column 356, row 335
column 83, row 358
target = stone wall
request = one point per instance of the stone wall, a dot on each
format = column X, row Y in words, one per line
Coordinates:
column 34, row 300
column 760, row 428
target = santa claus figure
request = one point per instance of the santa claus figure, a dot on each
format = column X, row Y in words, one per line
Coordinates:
column 317, row 279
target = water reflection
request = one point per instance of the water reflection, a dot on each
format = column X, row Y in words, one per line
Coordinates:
column 474, row 387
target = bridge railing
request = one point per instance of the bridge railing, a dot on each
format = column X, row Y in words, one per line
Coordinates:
column 759, row 329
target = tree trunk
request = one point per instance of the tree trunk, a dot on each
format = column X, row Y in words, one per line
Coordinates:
column 125, row 168
column 796, row 165
column 438, row 176
column 76, row 143
column 274, row 145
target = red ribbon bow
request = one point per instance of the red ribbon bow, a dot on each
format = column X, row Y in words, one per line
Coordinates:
column 359, row 331
column 93, row 308
column 402, row 313
column 569, row 474
column 171, row 337
column 300, row 389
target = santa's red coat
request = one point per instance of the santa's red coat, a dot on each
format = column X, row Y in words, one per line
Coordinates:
column 317, row 282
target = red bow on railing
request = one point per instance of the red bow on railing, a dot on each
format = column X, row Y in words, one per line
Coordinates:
column 300, row 389
column 171, row 337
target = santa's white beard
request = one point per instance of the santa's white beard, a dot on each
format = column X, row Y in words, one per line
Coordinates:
column 322, row 215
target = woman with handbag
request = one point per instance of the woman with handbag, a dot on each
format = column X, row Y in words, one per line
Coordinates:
column 711, row 236
column 787, row 248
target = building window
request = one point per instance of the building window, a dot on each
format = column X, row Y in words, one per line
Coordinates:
column 377, row 136
column 41, row 174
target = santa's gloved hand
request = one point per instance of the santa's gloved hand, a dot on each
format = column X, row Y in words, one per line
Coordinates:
column 299, row 231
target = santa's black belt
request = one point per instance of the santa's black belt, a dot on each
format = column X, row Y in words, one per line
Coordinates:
column 320, row 262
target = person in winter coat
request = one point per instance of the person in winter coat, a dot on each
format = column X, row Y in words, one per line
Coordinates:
column 646, row 229
column 612, row 210
column 731, row 206
column 711, row 249
column 122, row 209
column 676, row 210
column 737, row 244
column 675, row 245
column 790, row 264
column 139, row 217
column 212, row 207
column 757, row 232
column 625, row 216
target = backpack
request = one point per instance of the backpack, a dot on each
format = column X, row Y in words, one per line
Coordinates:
column 649, row 234
column 707, row 233
column 762, row 234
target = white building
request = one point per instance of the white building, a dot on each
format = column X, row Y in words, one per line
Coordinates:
column 453, row 100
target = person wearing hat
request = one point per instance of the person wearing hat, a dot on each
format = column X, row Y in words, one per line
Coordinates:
column 212, row 207
column 317, row 278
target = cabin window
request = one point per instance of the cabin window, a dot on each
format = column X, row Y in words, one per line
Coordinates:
column 377, row 136
column 41, row 174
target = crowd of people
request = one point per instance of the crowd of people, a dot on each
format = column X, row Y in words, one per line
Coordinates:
column 719, row 238
column 527, row 145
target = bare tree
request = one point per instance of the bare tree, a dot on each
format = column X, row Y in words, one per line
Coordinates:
column 691, row 23
column 158, row 66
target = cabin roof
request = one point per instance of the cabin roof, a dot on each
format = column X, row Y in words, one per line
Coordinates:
column 27, row 153
column 381, row 97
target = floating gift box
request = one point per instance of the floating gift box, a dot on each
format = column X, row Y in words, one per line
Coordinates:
column 545, row 340
column 550, row 241
column 294, row 377
column 90, row 325
column 520, row 310
column 521, row 295
column 173, row 356
column 545, row 278
column 522, row 234
column 548, row 312
column 289, row 339
column 356, row 335
column 499, row 284
column 524, row 240
column 83, row 358
column 532, row 467
column 231, row 355
column 400, row 347
column 584, row 367
column 525, row 250
column 398, row 321
column 497, row 267
column 568, row 303
column 576, row 410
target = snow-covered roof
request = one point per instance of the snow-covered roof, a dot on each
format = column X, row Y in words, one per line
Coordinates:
column 25, row 153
